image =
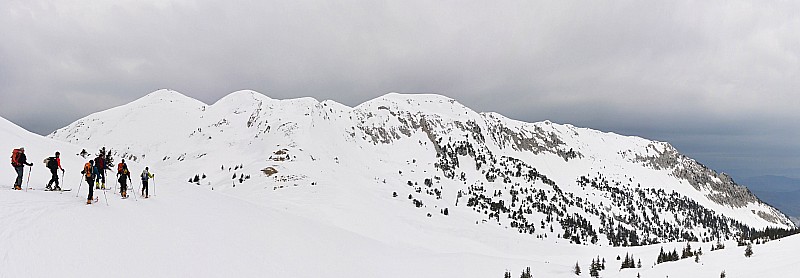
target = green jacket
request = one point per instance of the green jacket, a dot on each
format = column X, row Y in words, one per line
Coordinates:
column 146, row 175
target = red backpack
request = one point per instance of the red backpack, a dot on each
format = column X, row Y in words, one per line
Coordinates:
column 15, row 157
column 120, row 166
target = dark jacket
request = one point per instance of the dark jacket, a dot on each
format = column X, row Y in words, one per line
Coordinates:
column 23, row 160
column 100, row 163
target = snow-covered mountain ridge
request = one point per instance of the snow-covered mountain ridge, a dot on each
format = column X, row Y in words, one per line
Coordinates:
column 431, row 154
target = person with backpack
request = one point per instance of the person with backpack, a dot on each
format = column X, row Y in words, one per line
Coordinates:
column 122, row 165
column 19, row 160
column 100, row 164
column 88, row 172
column 54, row 163
column 146, row 176
column 123, row 176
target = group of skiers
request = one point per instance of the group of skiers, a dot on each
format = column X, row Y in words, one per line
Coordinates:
column 94, row 172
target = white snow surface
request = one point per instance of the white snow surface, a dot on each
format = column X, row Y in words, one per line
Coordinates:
column 329, row 210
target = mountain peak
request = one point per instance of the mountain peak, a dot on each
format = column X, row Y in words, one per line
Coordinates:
column 416, row 100
column 168, row 96
column 242, row 96
column 425, row 103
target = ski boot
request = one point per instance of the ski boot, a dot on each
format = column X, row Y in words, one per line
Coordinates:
column 48, row 188
column 89, row 201
column 104, row 186
column 97, row 185
column 17, row 187
column 57, row 188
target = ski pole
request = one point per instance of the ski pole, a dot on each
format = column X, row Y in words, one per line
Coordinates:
column 104, row 196
column 63, row 182
column 134, row 192
column 115, row 184
column 154, row 186
column 79, row 186
column 27, row 184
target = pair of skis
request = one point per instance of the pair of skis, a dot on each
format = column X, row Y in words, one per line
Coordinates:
column 57, row 190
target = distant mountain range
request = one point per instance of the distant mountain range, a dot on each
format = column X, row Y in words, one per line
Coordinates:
column 542, row 179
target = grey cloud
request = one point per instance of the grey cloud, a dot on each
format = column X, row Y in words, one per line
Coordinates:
column 686, row 72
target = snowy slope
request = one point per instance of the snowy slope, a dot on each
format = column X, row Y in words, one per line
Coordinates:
column 330, row 209
column 185, row 231
column 37, row 148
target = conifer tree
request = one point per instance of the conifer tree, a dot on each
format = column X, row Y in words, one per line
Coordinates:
column 526, row 273
column 687, row 251
column 107, row 156
column 749, row 250
column 594, row 269
column 720, row 245
column 627, row 262
column 577, row 269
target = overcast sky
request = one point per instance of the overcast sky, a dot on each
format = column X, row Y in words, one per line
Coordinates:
column 717, row 79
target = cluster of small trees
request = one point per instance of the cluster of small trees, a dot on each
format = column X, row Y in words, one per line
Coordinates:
column 430, row 190
column 687, row 252
column 749, row 250
column 197, row 178
column 236, row 167
column 667, row 257
column 417, row 203
column 242, row 177
column 526, row 273
column 718, row 246
column 596, row 266
column 630, row 262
